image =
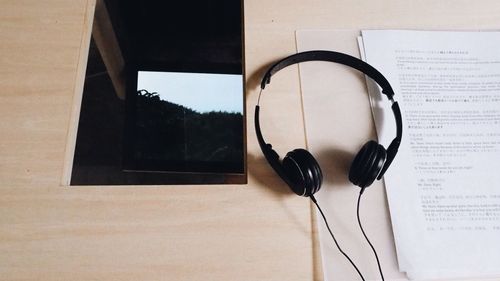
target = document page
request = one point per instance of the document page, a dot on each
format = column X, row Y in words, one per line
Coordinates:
column 443, row 188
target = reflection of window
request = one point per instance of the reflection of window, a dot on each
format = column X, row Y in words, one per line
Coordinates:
column 202, row 92
column 188, row 122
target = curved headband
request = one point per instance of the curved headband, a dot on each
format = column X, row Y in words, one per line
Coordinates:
column 330, row 56
column 340, row 58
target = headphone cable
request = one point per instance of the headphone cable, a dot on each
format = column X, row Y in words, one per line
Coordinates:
column 333, row 237
column 366, row 237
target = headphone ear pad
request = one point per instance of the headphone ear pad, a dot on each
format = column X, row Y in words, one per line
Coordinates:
column 367, row 164
column 303, row 172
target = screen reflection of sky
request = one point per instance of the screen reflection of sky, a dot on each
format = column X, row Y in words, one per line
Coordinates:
column 202, row 92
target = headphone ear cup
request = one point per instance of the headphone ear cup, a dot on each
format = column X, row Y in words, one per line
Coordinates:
column 367, row 164
column 303, row 171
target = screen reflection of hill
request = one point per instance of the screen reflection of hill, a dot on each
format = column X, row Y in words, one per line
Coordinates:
column 168, row 132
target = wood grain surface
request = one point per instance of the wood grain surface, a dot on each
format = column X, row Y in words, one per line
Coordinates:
column 257, row 231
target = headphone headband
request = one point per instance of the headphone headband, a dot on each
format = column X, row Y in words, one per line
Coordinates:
column 330, row 56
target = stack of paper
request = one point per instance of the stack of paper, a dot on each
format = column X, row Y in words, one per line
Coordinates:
column 443, row 189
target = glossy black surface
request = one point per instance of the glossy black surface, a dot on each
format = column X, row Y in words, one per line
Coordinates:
column 116, row 143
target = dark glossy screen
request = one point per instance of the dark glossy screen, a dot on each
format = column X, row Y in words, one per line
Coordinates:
column 183, row 117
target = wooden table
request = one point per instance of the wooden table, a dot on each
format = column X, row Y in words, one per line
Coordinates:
column 258, row 231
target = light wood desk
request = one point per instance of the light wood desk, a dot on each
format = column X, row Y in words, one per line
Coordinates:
column 257, row 231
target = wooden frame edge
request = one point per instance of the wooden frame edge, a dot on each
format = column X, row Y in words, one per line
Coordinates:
column 78, row 92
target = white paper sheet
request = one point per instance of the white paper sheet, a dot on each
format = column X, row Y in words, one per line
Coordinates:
column 443, row 188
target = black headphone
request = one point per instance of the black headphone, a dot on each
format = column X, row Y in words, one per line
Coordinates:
column 299, row 169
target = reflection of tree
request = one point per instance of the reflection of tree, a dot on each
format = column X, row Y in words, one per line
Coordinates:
column 171, row 132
